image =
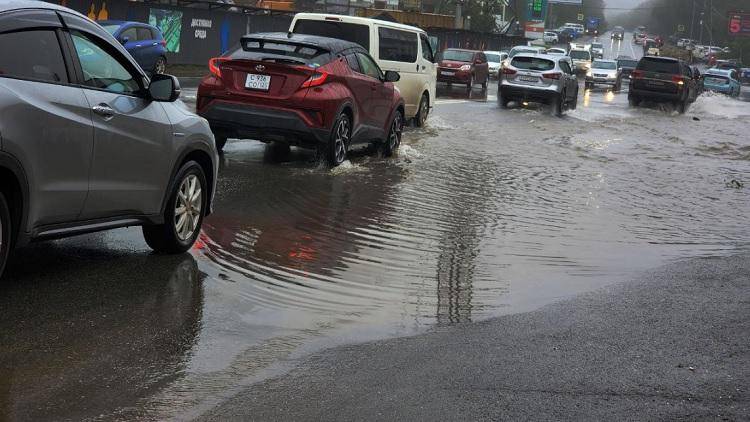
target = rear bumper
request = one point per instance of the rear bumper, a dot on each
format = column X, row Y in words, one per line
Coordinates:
column 513, row 92
column 657, row 95
column 262, row 123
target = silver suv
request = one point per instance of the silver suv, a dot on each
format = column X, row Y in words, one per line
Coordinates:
column 539, row 78
column 88, row 142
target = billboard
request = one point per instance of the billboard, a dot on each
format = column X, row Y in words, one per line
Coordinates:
column 169, row 23
column 576, row 2
column 536, row 13
column 739, row 24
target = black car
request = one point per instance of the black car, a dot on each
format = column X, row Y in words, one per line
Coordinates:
column 626, row 65
column 565, row 35
column 663, row 80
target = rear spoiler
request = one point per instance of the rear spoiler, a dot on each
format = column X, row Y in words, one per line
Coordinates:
column 255, row 43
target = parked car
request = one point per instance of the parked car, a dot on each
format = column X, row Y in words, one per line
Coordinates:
column 303, row 90
column 581, row 58
column 603, row 72
column 97, row 148
column 626, row 64
column 494, row 60
column 550, row 37
column 724, row 81
column 597, row 50
column 144, row 42
column 662, row 79
column 469, row 67
column 546, row 79
column 400, row 48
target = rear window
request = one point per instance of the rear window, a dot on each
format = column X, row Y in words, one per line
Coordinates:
column 604, row 65
column 494, row 58
column 627, row 63
column 351, row 32
column 281, row 52
column 653, row 64
column 532, row 63
column 458, row 56
column 516, row 50
column 397, row 46
column 597, row 45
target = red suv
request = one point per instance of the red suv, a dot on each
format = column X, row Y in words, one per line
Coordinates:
column 303, row 90
column 463, row 67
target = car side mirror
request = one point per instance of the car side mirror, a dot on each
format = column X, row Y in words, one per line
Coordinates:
column 124, row 40
column 391, row 76
column 165, row 88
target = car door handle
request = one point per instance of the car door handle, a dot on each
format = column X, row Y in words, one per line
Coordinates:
column 103, row 110
column 156, row 43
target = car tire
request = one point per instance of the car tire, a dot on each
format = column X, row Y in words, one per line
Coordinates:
column 393, row 140
column 559, row 105
column 6, row 231
column 424, row 109
column 179, row 231
column 161, row 66
column 633, row 100
column 574, row 103
column 338, row 145
column 682, row 106
column 221, row 141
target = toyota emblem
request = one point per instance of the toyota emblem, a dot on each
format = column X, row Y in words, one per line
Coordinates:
column 260, row 68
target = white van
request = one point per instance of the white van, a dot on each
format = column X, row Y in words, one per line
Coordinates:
column 401, row 48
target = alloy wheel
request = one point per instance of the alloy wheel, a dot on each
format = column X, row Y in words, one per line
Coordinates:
column 188, row 206
column 394, row 137
column 160, row 67
column 341, row 140
column 423, row 110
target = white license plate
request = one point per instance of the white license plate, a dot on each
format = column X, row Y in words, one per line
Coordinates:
column 528, row 78
column 260, row 82
column 447, row 73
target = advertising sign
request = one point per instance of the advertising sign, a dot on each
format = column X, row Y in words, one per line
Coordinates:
column 536, row 13
column 576, row 2
column 169, row 23
column 739, row 24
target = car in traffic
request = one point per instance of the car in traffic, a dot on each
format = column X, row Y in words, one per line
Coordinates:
column 400, row 48
column 603, row 72
column 541, row 78
column 581, row 58
column 463, row 67
column 494, row 61
column 626, row 64
column 651, row 47
column 597, row 50
column 144, row 42
column 89, row 141
column 728, row 65
column 724, row 81
column 565, row 35
column 301, row 90
column 550, row 37
column 662, row 80
column 639, row 37
column 618, row 33
column 557, row 51
column 745, row 74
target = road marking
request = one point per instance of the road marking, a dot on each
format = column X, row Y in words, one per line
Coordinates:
column 632, row 50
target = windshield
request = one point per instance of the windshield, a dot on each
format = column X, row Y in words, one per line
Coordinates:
column 494, row 58
column 604, row 65
column 458, row 55
column 596, row 45
column 351, row 32
column 580, row 55
column 111, row 28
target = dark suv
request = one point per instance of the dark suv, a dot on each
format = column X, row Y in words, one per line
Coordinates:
column 88, row 142
column 663, row 80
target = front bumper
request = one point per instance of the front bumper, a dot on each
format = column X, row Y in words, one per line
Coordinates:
column 263, row 124
column 522, row 93
column 601, row 81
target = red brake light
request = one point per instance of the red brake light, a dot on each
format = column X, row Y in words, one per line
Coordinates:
column 554, row 75
column 507, row 71
column 163, row 43
column 678, row 79
column 213, row 66
column 636, row 74
column 318, row 78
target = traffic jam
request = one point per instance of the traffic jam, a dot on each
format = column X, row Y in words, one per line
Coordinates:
column 167, row 242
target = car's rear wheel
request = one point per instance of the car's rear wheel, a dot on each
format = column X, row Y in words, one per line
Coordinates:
column 184, row 214
column 424, row 109
column 161, row 66
column 559, row 104
column 339, row 142
column 394, row 134
column 574, row 102
column 5, row 232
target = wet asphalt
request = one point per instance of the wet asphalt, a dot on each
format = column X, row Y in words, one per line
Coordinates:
column 485, row 215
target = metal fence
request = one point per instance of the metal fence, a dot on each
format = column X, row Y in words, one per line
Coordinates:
column 197, row 30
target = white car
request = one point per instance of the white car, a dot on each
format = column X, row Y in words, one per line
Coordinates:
column 557, row 51
column 597, row 50
column 581, row 59
column 550, row 37
column 494, row 61
column 400, row 48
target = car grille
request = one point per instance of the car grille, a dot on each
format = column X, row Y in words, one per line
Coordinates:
column 599, row 75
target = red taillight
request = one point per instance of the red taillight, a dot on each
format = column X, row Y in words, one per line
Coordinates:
column 554, row 75
column 636, row 74
column 317, row 79
column 678, row 79
column 163, row 43
column 507, row 71
column 213, row 66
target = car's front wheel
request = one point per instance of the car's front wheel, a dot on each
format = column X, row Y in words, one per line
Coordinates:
column 394, row 134
column 5, row 232
column 161, row 66
column 184, row 214
column 339, row 142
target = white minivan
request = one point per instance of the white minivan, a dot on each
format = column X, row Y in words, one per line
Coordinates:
column 401, row 48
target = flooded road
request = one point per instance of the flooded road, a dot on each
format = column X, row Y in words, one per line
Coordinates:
column 484, row 212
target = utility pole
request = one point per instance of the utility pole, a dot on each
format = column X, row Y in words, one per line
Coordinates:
column 692, row 22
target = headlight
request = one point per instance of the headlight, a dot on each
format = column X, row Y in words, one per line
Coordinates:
column 465, row 67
